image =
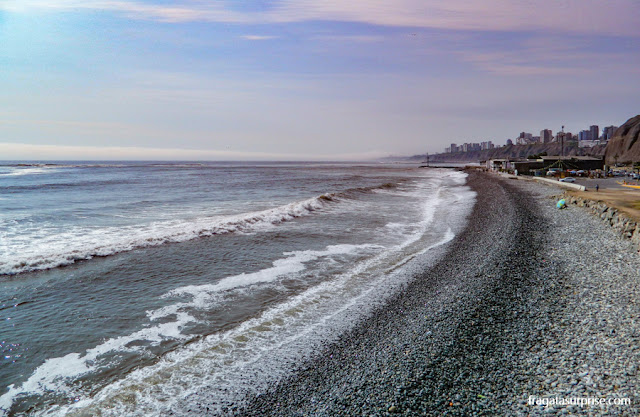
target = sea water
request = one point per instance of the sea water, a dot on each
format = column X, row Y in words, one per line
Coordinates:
column 146, row 288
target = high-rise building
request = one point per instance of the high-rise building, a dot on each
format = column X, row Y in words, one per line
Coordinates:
column 595, row 132
column 486, row 145
column 454, row 148
column 546, row 135
column 566, row 136
column 585, row 135
column 608, row 132
column 509, row 142
column 524, row 138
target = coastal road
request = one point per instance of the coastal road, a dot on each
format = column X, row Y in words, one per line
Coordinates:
column 603, row 183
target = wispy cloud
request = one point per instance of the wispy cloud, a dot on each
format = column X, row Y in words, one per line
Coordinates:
column 258, row 37
column 617, row 17
column 548, row 55
column 351, row 38
column 358, row 75
column 583, row 16
column 518, row 64
column 179, row 13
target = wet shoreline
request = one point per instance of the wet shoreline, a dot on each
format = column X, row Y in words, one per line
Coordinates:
column 498, row 320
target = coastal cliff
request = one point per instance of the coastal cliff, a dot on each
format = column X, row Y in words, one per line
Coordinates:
column 624, row 146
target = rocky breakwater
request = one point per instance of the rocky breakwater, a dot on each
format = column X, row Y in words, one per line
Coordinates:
column 621, row 222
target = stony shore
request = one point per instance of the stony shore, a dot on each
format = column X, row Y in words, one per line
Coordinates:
column 622, row 222
column 530, row 301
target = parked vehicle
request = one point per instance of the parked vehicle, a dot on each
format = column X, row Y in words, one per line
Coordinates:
column 568, row 179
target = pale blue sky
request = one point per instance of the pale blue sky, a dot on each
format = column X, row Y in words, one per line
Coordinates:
column 305, row 79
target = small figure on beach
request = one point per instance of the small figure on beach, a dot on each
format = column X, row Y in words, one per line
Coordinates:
column 597, row 188
column 561, row 204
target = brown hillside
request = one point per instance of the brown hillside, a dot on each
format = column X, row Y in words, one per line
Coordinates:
column 624, row 146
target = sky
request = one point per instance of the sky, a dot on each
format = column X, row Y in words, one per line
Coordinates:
column 306, row 80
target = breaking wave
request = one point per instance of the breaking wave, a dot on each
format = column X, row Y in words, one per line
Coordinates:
column 79, row 244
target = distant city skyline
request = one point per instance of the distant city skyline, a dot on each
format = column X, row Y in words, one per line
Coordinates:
column 585, row 138
column 302, row 80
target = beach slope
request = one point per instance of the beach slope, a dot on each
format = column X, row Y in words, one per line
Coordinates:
column 520, row 307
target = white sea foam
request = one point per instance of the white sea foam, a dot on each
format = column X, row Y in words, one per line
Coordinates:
column 293, row 263
column 26, row 171
column 55, row 374
column 298, row 324
column 41, row 249
column 222, row 359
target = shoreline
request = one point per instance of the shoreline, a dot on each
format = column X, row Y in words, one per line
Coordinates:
column 476, row 334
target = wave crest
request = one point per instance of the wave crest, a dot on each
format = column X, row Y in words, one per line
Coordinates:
column 79, row 244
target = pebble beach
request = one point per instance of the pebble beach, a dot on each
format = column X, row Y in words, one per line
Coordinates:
column 530, row 302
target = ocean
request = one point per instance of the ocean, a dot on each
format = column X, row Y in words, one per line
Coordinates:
column 141, row 288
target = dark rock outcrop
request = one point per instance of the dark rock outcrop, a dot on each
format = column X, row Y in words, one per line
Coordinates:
column 624, row 147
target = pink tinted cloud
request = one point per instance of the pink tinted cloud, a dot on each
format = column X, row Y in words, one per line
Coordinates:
column 615, row 17
column 619, row 17
column 549, row 55
column 258, row 37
